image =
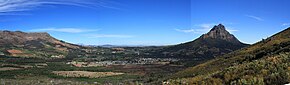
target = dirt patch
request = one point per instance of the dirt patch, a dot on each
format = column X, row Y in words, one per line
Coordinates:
column 16, row 66
column 9, row 68
column 85, row 74
column 149, row 69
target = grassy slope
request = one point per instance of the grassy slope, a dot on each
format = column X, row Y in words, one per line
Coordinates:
column 265, row 62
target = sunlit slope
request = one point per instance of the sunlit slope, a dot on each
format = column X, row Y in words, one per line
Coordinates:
column 266, row 62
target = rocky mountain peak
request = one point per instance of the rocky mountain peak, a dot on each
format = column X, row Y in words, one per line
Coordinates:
column 219, row 27
column 217, row 41
column 220, row 32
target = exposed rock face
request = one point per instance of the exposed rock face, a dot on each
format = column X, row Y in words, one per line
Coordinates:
column 33, row 44
column 220, row 32
column 17, row 37
column 33, row 38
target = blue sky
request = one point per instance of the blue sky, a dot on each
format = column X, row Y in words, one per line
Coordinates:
column 144, row 22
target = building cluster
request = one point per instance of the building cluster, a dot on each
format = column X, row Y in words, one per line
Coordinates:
column 57, row 56
column 140, row 61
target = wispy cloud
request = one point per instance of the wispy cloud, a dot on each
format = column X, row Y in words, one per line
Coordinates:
column 9, row 7
column 203, row 28
column 232, row 30
column 185, row 30
column 200, row 28
column 109, row 36
column 286, row 24
column 67, row 30
column 255, row 17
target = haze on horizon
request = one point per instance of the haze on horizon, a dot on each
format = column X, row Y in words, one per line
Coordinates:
column 144, row 22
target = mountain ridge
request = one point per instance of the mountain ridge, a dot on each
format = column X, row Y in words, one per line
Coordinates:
column 19, row 37
column 216, row 42
column 36, row 44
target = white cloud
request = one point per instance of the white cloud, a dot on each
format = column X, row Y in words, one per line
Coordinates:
column 200, row 29
column 232, row 30
column 207, row 26
column 67, row 30
column 185, row 30
column 255, row 17
column 285, row 24
column 9, row 7
column 109, row 36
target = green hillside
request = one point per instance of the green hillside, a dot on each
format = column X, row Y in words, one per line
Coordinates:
column 266, row 62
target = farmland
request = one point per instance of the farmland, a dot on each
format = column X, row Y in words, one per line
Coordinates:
column 86, row 74
column 33, row 71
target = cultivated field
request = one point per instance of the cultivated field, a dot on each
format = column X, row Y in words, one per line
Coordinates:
column 9, row 68
column 85, row 74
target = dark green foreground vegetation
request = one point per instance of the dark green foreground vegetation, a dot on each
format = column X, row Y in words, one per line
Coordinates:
column 45, row 73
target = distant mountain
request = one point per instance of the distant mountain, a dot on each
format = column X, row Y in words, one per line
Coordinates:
column 109, row 46
column 113, row 46
column 216, row 42
column 17, row 43
column 263, row 63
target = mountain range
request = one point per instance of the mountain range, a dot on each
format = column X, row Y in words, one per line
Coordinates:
column 216, row 42
column 218, row 57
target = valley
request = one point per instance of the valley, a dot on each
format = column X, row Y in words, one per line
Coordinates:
column 216, row 57
column 107, row 65
column 144, row 42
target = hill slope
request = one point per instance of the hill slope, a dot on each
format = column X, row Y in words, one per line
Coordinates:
column 17, row 43
column 216, row 42
column 266, row 62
